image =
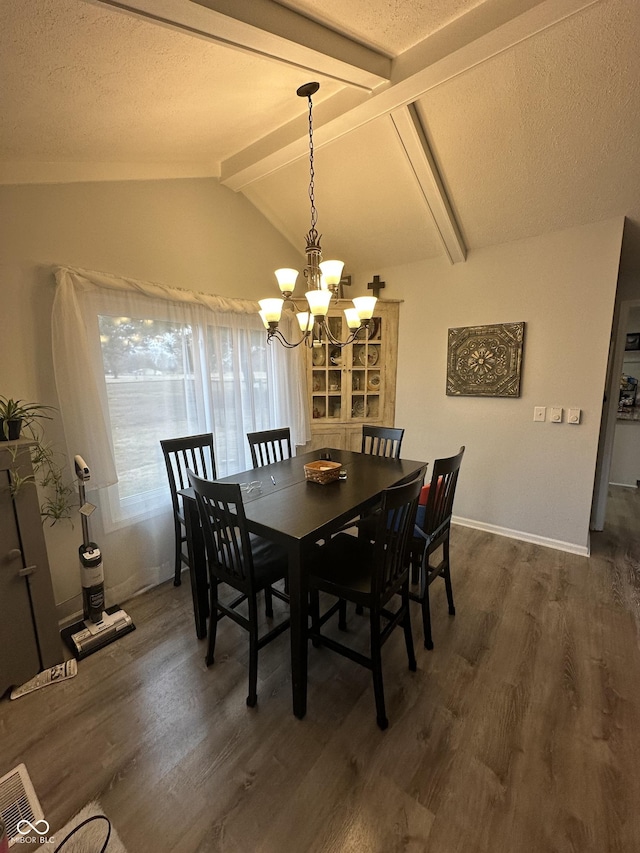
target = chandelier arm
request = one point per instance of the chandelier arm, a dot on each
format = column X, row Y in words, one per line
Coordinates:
column 277, row 334
column 353, row 335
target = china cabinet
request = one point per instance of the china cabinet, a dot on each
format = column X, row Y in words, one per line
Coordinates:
column 356, row 384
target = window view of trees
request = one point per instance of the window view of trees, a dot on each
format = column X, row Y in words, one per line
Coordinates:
column 131, row 345
column 148, row 366
column 151, row 383
column 240, row 392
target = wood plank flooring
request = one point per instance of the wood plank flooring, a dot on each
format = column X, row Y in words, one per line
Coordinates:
column 519, row 733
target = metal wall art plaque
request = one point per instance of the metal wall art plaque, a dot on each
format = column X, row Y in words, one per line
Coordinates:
column 485, row 361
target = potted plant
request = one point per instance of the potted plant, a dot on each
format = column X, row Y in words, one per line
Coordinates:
column 16, row 414
column 59, row 496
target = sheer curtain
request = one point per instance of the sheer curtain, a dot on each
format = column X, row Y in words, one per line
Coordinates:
column 136, row 362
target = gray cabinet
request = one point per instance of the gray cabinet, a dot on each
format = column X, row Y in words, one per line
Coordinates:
column 29, row 632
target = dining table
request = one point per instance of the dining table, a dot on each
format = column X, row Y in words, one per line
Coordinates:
column 282, row 505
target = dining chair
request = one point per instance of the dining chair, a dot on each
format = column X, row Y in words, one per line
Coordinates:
column 193, row 452
column 432, row 531
column 271, row 445
column 382, row 441
column 369, row 574
column 245, row 562
column 376, row 441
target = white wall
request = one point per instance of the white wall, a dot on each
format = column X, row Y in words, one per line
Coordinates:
column 188, row 233
column 531, row 480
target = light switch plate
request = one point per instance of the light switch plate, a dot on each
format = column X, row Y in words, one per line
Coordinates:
column 539, row 413
column 574, row 416
column 556, row 415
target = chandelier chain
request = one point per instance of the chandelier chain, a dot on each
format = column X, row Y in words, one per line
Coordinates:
column 314, row 212
column 322, row 279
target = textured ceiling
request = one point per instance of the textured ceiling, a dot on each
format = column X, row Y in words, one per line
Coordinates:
column 391, row 26
column 441, row 125
column 365, row 164
column 557, row 141
column 85, row 82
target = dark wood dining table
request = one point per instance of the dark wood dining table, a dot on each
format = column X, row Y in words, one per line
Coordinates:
column 296, row 513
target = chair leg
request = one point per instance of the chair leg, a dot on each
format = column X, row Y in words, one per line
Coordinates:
column 376, row 669
column 424, row 601
column 252, row 698
column 406, row 624
column 314, row 612
column 415, row 566
column 342, row 615
column 177, row 568
column 447, row 578
column 213, row 620
column 268, row 600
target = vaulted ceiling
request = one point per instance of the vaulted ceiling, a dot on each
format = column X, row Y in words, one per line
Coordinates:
column 441, row 126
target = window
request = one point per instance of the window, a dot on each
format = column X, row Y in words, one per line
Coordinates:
column 165, row 379
column 137, row 362
column 148, row 373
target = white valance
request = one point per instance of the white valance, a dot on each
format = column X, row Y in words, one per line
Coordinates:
column 86, row 281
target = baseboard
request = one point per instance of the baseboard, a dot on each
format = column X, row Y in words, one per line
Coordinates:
column 569, row 547
column 626, row 485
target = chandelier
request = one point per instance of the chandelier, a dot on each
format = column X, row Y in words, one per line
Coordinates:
column 322, row 279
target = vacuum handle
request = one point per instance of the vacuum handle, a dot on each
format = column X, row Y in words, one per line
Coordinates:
column 85, row 531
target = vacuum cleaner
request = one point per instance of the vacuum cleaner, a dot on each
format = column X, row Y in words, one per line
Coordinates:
column 100, row 626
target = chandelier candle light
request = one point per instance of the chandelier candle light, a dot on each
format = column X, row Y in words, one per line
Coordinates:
column 322, row 278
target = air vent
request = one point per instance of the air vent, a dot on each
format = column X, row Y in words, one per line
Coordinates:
column 18, row 801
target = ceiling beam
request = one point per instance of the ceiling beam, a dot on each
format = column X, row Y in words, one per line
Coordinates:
column 410, row 81
column 414, row 142
column 484, row 18
column 264, row 28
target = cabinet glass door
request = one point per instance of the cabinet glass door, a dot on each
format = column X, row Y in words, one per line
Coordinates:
column 327, row 366
column 366, row 374
column 347, row 384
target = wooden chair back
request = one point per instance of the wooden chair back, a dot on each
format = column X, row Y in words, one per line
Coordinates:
column 382, row 441
column 192, row 452
column 394, row 529
column 224, row 527
column 271, row 445
column 442, row 490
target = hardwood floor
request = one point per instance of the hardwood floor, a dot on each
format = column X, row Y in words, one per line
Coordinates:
column 520, row 731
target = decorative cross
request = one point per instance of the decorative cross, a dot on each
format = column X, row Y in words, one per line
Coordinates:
column 376, row 285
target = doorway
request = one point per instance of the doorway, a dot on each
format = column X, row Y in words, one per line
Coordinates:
column 623, row 314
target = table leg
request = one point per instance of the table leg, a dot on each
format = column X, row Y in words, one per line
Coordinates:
column 298, row 593
column 197, row 567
